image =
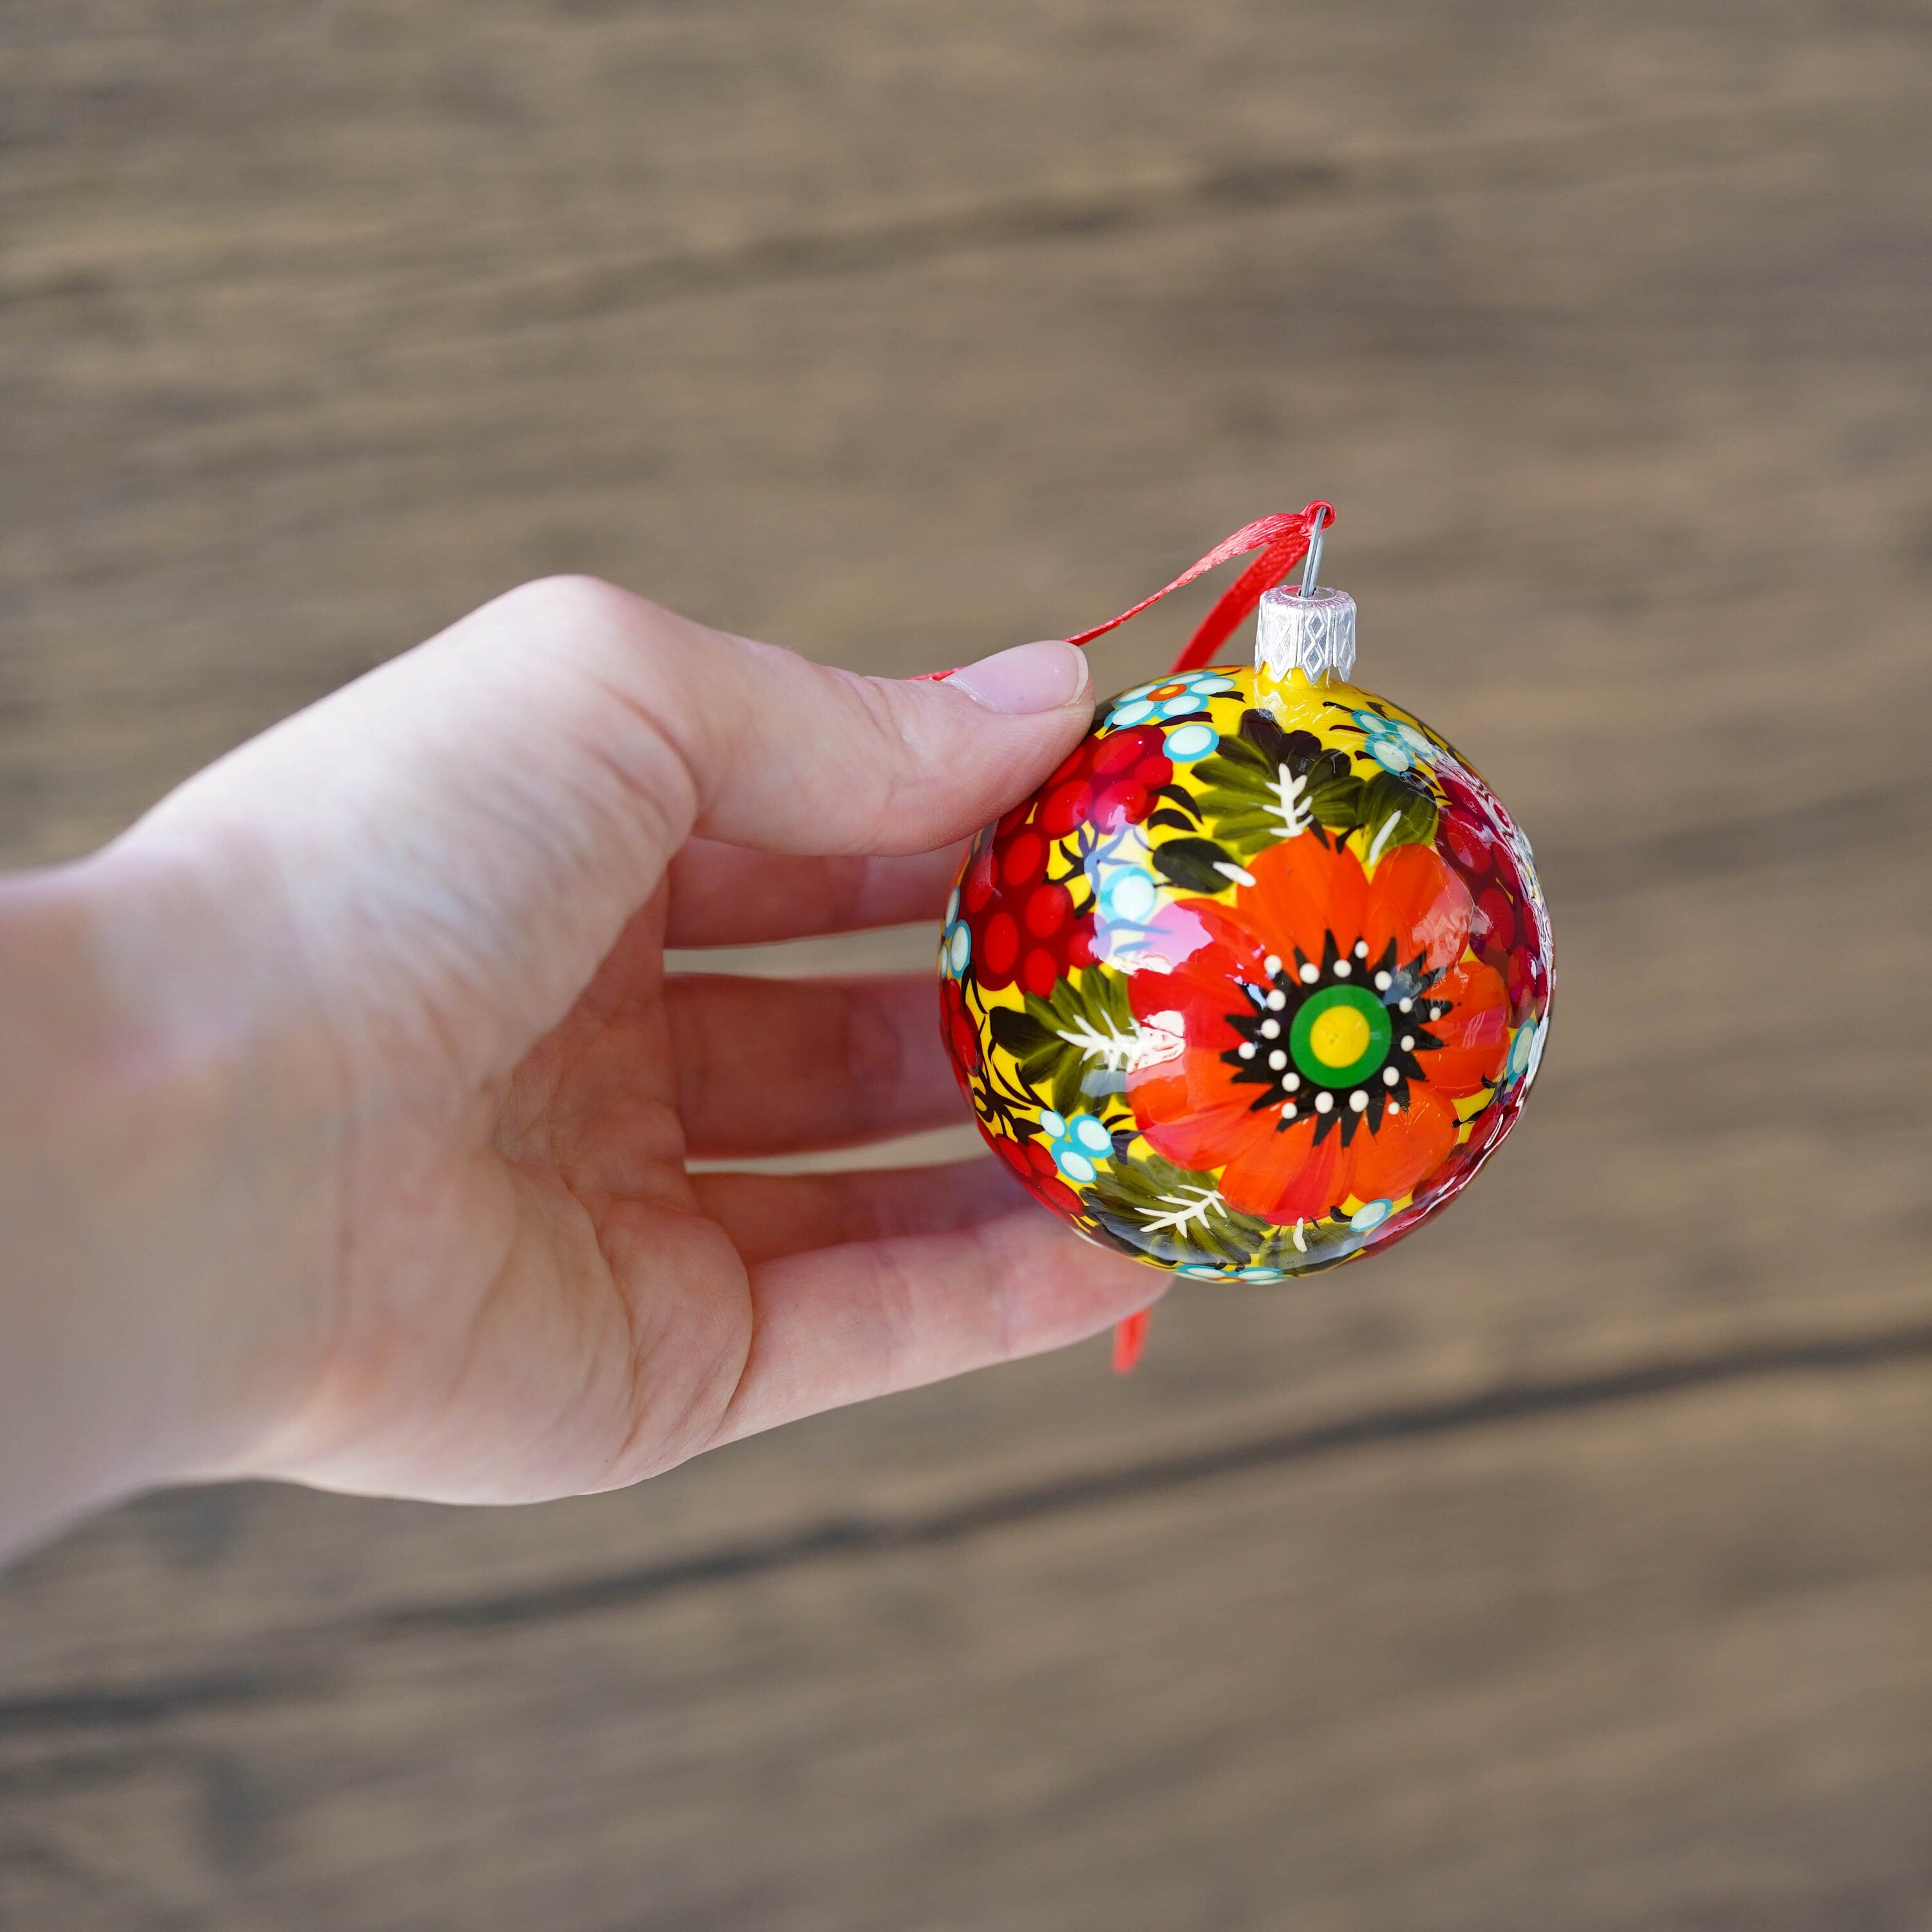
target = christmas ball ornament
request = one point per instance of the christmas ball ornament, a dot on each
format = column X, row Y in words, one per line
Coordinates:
column 1260, row 976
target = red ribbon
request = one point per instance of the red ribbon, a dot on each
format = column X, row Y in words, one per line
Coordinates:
column 1129, row 1338
column 1282, row 540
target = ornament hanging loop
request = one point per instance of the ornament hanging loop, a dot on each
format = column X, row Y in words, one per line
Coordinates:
column 1321, row 516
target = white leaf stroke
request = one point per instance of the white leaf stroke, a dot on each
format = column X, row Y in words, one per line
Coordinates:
column 1290, row 807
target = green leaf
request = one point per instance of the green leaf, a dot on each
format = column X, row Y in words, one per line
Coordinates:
column 1068, row 1071
column 1191, row 863
column 1237, row 754
column 1021, row 1033
column 1396, row 810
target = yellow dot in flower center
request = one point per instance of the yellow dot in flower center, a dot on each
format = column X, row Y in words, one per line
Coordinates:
column 1340, row 1037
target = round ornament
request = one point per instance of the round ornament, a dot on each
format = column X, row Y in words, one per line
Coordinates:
column 1260, row 976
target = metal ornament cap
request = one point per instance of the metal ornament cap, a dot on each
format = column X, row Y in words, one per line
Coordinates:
column 1313, row 632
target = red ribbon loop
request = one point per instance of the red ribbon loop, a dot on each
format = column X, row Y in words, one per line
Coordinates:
column 1282, row 540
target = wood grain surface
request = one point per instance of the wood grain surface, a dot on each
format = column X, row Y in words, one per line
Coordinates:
column 1571, row 1566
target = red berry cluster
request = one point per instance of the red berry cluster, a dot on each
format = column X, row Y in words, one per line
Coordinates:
column 1022, row 922
column 1108, row 780
column 1034, row 1168
column 1509, row 932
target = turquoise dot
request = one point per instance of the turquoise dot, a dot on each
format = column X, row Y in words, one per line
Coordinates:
column 1051, row 1124
column 1091, row 1136
column 1131, row 896
column 1075, row 1166
column 1186, row 742
column 1519, row 1052
column 1136, row 713
column 1371, row 1215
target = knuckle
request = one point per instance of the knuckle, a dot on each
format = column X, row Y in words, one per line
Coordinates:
column 575, row 596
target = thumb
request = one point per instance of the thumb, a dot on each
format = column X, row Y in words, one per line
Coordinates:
column 786, row 755
column 508, row 794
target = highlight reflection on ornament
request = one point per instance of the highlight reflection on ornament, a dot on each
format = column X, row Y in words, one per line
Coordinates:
column 1259, row 977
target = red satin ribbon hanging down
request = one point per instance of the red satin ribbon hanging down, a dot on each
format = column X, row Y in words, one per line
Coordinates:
column 1282, row 540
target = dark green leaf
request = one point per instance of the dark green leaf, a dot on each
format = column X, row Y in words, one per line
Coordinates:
column 1021, row 1033
column 1334, row 801
column 1294, row 749
column 1234, row 751
column 1191, row 863
column 1396, row 811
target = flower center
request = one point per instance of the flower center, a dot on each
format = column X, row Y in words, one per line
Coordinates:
column 1340, row 1036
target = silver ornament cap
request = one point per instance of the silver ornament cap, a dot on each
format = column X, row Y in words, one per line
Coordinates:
column 1311, row 630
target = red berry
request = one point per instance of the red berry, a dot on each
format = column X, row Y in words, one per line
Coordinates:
column 999, row 947
column 1065, row 807
column 1495, row 920
column 1469, row 842
column 1120, row 750
column 1121, row 804
column 1024, row 859
column 1049, row 907
column 978, row 886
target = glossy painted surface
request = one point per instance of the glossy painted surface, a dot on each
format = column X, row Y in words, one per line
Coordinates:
column 1255, row 982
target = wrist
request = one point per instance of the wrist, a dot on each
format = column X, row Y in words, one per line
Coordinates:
column 149, row 1295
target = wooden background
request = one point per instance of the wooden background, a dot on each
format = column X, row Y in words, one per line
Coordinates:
column 1572, row 1567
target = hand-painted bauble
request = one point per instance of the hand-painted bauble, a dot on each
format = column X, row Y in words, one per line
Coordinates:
column 1260, row 976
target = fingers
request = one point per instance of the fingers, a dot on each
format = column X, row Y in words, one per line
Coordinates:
column 843, row 1324
column 770, row 1215
column 770, row 1066
column 726, row 895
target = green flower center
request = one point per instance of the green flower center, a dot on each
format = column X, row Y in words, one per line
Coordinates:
column 1340, row 1036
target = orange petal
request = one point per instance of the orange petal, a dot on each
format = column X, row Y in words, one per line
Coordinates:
column 1303, row 890
column 1224, row 935
column 1284, row 1177
column 1417, row 901
column 1474, row 1032
column 1201, row 1138
column 1409, row 1147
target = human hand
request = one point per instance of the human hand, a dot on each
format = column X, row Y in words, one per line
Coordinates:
column 392, row 1136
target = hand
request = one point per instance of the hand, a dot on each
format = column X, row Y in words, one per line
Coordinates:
column 392, row 1194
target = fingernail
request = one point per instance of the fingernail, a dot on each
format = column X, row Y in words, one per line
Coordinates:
column 1029, row 677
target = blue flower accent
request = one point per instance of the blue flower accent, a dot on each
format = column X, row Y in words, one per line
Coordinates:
column 955, row 943
column 1128, row 896
column 1525, row 1054
column 1371, row 1214
column 1187, row 743
column 1125, row 892
column 1078, row 1146
column 1393, row 745
column 1179, row 697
